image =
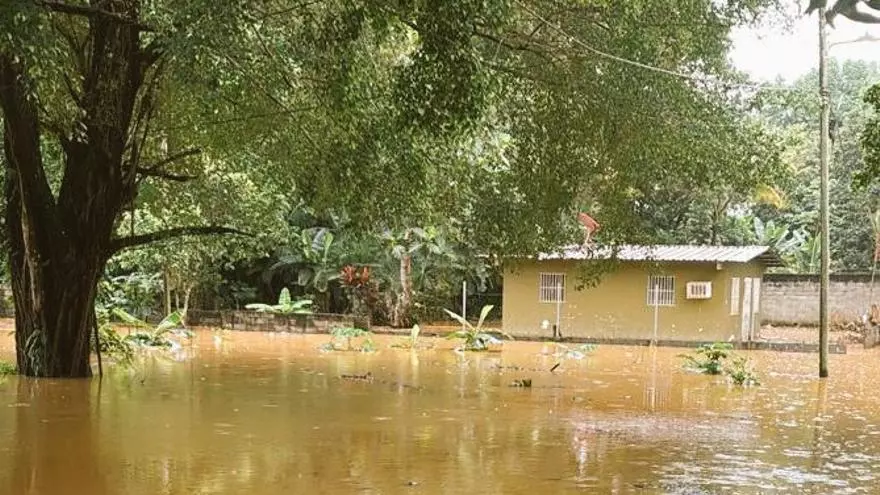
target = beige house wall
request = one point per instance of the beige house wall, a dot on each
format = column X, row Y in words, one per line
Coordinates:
column 617, row 308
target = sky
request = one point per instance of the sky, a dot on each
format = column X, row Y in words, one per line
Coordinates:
column 790, row 51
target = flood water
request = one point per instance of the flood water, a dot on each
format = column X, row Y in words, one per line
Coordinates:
column 256, row 413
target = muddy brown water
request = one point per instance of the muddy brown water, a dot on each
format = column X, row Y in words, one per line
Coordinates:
column 256, row 413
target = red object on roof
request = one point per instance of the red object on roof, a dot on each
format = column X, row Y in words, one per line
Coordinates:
column 588, row 222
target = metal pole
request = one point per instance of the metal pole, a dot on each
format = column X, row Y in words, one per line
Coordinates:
column 656, row 301
column 825, row 116
column 464, row 299
column 558, row 308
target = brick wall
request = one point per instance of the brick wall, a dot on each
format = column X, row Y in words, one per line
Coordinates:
column 795, row 298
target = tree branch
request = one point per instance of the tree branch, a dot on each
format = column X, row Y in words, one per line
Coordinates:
column 121, row 243
column 89, row 11
column 147, row 172
column 171, row 159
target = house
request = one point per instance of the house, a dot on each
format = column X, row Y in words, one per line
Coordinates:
column 662, row 293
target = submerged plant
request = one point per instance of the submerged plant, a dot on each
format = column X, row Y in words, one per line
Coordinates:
column 475, row 338
column 717, row 359
column 285, row 306
column 412, row 342
column 563, row 351
column 709, row 358
column 343, row 336
column 113, row 345
column 741, row 373
column 7, row 368
column 154, row 337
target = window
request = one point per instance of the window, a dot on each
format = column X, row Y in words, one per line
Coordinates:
column 661, row 290
column 734, row 296
column 552, row 288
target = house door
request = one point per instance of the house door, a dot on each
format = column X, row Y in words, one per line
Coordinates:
column 751, row 300
column 746, row 313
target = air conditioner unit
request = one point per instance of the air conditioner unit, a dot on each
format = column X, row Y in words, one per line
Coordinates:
column 699, row 290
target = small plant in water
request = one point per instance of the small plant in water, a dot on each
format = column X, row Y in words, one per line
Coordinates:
column 412, row 342
column 154, row 337
column 475, row 338
column 7, row 368
column 563, row 351
column 709, row 358
column 285, row 306
column 740, row 372
column 343, row 336
column 113, row 345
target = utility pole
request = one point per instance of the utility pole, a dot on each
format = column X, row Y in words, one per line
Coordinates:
column 824, row 276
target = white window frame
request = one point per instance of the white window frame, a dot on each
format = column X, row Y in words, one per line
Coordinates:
column 734, row 296
column 548, row 287
column 665, row 290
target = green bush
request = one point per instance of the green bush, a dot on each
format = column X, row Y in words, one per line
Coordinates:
column 709, row 358
column 342, row 340
column 740, row 372
column 717, row 359
column 7, row 368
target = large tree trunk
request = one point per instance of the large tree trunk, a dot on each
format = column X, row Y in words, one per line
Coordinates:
column 54, row 287
column 59, row 243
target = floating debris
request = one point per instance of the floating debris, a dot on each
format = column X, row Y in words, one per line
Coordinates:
column 522, row 382
column 367, row 377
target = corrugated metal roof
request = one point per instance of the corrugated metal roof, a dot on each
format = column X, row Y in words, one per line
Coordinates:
column 720, row 254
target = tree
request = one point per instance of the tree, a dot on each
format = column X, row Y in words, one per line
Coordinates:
column 853, row 193
column 497, row 116
column 91, row 92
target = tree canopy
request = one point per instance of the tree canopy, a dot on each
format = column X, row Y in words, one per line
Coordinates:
column 130, row 121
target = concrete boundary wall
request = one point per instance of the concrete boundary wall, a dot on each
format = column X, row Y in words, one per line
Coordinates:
column 794, row 299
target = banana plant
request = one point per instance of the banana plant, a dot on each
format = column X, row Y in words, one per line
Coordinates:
column 150, row 336
column 285, row 306
column 475, row 338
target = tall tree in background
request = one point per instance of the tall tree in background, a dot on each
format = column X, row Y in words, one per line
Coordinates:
column 853, row 195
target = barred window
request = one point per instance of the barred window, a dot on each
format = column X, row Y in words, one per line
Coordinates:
column 661, row 290
column 552, row 288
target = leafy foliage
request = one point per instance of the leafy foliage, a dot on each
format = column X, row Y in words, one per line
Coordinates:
column 741, row 373
column 113, row 345
column 153, row 337
column 7, row 368
column 853, row 188
column 343, row 338
column 717, row 359
column 709, row 358
column 492, row 121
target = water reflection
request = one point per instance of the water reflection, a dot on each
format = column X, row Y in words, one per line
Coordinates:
column 267, row 414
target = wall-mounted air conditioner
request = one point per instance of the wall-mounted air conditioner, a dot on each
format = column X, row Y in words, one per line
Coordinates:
column 699, row 290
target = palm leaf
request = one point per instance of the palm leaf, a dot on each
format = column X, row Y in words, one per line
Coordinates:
column 460, row 319
column 284, row 297
column 129, row 319
column 483, row 314
column 458, row 334
column 263, row 308
column 170, row 322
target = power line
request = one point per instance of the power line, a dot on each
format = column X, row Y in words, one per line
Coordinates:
column 641, row 65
